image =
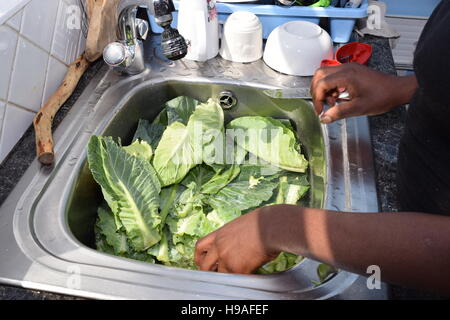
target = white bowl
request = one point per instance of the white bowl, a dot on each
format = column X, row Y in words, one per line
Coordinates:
column 298, row 48
column 242, row 38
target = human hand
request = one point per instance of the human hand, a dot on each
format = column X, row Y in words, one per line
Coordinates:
column 371, row 92
column 240, row 246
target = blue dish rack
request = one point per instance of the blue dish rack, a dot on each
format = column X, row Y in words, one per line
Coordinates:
column 341, row 20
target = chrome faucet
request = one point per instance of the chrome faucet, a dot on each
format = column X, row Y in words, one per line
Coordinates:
column 127, row 53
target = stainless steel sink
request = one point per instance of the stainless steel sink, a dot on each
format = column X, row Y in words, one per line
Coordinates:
column 46, row 224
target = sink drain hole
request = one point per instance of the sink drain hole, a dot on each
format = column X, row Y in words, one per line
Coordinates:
column 227, row 99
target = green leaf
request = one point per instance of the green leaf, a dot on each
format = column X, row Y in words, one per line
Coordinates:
column 161, row 250
column 167, row 200
column 200, row 175
column 188, row 201
column 324, row 271
column 181, row 251
column 265, row 170
column 116, row 239
column 140, row 149
column 182, row 147
column 193, row 224
column 180, row 109
column 206, row 131
column 131, row 182
column 270, row 140
column 149, row 132
column 283, row 262
column 114, row 206
column 220, row 216
column 175, row 154
column 292, row 188
column 220, row 180
column 239, row 195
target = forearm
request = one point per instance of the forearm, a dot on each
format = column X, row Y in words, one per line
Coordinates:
column 412, row 249
column 403, row 89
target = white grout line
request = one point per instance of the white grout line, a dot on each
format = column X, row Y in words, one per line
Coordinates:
column 8, row 92
column 49, row 55
column 7, row 15
column 20, row 107
column 48, row 52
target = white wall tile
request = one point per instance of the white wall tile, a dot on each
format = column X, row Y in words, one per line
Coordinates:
column 81, row 44
column 27, row 82
column 15, row 21
column 8, row 42
column 15, row 123
column 36, row 46
column 39, row 22
column 8, row 8
column 65, row 42
column 56, row 72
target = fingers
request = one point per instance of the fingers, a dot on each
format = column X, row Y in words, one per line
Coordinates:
column 324, row 72
column 202, row 247
column 341, row 111
column 223, row 268
column 210, row 261
column 329, row 87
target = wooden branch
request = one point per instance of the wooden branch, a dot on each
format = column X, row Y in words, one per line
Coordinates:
column 44, row 118
column 102, row 26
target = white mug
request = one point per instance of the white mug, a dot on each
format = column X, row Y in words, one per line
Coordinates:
column 242, row 38
column 198, row 24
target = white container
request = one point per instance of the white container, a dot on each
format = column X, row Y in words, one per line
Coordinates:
column 298, row 48
column 242, row 38
column 199, row 25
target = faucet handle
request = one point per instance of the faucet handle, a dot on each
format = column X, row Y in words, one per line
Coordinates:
column 142, row 29
column 115, row 54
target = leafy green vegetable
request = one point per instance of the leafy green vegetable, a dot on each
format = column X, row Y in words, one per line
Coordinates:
column 140, row 149
column 241, row 196
column 290, row 192
column 284, row 261
column 182, row 147
column 206, row 131
column 175, row 154
column 116, row 239
column 184, row 176
column 149, row 132
column 324, row 272
column 199, row 175
column 180, row 109
column 220, row 179
column 272, row 141
column 132, row 184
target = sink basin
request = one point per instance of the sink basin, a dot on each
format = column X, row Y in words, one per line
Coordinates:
column 147, row 101
column 46, row 224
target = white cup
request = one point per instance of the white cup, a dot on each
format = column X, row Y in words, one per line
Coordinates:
column 242, row 38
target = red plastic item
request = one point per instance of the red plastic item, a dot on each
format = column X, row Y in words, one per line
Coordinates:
column 329, row 63
column 352, row 52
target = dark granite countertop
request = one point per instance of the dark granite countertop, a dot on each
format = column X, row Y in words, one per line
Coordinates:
column 386, row 131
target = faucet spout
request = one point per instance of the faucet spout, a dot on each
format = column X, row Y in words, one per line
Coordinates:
column 126, row 54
